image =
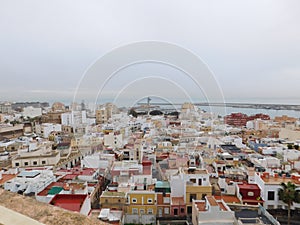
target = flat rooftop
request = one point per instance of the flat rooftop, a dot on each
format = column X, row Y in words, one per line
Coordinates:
column 69, row 202
column 194, row 171
column 228, row 198
column 279, row 180
column 28, row 174
column 162, row 184
column 113, row 194
column 7, row 177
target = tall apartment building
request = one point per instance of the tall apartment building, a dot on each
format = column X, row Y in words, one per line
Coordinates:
column 6, row 108
column 105, row 112
column 240, row 119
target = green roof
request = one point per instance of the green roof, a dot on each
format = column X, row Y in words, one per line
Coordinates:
column 162, row 184
column 54, row 190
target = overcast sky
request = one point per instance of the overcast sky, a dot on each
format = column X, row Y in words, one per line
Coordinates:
column 251, row 47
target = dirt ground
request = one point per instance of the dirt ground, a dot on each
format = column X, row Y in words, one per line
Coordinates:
column 43, row 212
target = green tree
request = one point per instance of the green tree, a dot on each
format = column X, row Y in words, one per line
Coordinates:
column 288, row 194
column 290, row 146
column 296, row 147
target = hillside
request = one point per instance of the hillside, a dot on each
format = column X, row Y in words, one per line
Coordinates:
column 43, row 212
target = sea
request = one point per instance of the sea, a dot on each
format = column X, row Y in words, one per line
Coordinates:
column 250, row 111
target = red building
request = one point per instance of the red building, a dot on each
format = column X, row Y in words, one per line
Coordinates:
column 250, row 193
column 240, row 119
column 178, row 206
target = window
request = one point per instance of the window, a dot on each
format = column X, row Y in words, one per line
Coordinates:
column 175, row 212
column 150, row 211
column 193, row 180
column 43, row 162
column 167, row 211
column 142, row 211
column 135, row 211
column 17, row 164
column 189, row 209
column 271, row 195
column 149, row 200
column 134, row 200
column 181, row 210
column 26, row 163
column 251, row 193
column 166, row 200
column 106, row 200
column 35, row 163
column 193, row 196
column 200, row 182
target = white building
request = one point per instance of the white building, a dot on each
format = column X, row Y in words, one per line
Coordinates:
column 74, row 118
column 32, row 181
column 113, row 139
column 34, row 156
column 31, row 112
column 210, row 211
column 45, row 129
column 270, row 185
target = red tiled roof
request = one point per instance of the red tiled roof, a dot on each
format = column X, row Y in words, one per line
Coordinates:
column 212, row 201
column 249, row 186
column 201, row 206
column 7, row 177
column 228, row 198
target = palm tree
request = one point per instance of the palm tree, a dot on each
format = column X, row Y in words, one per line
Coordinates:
column 288, row 194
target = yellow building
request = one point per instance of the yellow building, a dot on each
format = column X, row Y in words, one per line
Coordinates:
column 113, row 200
column 196, row 185
column 196, row 193
column 141, row 203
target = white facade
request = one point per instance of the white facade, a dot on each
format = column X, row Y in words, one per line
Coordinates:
column 210, row 212
column 114, row 140
column 46, row 128
column 31, row 112
column 42, row 156
column 74, row 118
column 270, row 188
column 177, row 186
column 33, row 181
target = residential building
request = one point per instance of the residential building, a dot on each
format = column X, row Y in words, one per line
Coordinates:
column 249, row 193
column 196, row 185
column 270, row 185
column 113, row 200
column 35, row 156
column 163, row 195
column 31, row 112
column 105, row 112
column 141, row 207
column 11, row 131
column 30, row 182
column 240, row 119
column 211, row 211
column 45, row 129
